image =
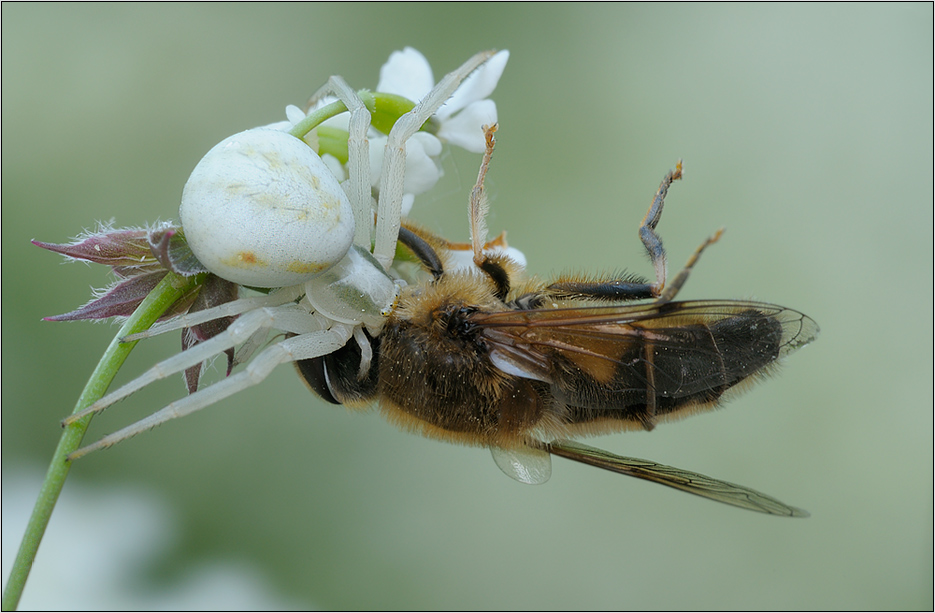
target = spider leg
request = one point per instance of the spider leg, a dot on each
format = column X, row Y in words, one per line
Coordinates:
column 392, row 176
column 358, row 159
column 261, row 336
column 299, row 347
column 366, row 352
column 288, row 318
column 235, row 307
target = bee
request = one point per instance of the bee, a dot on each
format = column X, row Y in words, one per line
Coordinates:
column 481, row 355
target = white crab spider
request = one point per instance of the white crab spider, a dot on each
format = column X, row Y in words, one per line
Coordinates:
column 345, row 288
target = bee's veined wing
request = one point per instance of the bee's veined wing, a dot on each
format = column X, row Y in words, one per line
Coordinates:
column 710, row 342
column 687, row 481
column 525, row 464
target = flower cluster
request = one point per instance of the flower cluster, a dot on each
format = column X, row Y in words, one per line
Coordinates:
column 459, row 122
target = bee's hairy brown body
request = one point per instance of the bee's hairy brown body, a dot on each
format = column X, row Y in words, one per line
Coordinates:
column 624, row 368
column 436, row 369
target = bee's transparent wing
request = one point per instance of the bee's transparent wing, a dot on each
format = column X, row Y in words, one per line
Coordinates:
column 525, row 464
column 687, row 481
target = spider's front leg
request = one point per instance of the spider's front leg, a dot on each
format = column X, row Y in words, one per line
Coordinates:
column 358, row 156
column 392, row 177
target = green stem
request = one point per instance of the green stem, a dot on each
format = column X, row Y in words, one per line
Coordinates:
column 385, row 111
column 153, row 306
column 314, row 118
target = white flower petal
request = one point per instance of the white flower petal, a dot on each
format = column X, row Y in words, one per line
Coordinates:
column 466, row 128
column 407, row 73
column 338, row 122
column 282, row 126
column 408, row 199
column 377, row 144
column 334, row 165
column 431, row 144
column 459, row 260
column 294, row 114
column 421, row 171
column 477, row 86
column 462, row 260
column 516, row 255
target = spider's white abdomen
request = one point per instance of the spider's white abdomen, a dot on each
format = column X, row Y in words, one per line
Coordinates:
column 261, row 209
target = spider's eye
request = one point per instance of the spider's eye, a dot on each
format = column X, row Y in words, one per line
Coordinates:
column 261, row 209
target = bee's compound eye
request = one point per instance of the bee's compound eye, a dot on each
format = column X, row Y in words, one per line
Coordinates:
column 261, row 209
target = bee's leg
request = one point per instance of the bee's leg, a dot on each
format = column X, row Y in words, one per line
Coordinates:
column 423, row 250
column 611, row 290
column 628, row 288
column 680, row 278
column 478, row 207
column 654, row 248
column 631, row 288
column 477, row 213
column 651, row 240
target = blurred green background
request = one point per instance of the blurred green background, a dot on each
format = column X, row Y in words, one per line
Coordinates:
column 805, row 130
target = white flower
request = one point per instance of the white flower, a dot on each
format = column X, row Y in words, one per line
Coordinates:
column 463, row 259
column 422, row 169
column 461, row 119
column 407, row 73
